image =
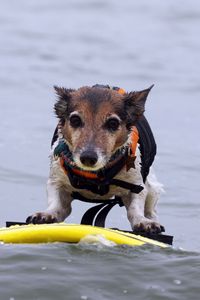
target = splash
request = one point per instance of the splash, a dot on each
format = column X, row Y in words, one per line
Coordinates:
column 97, row 240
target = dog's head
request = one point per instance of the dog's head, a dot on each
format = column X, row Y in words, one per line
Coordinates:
column 96, row 122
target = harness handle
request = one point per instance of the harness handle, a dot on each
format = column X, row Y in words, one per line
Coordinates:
column 101, row 217
column 90, row 214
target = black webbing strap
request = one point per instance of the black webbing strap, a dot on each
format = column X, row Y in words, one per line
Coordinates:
column 115, row 200
column 97, row 214
column 89, row 215
column 101, row 217
column 136, row 189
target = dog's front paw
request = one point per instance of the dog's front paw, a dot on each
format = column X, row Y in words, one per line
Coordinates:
column 42, row 218
column 149, row 226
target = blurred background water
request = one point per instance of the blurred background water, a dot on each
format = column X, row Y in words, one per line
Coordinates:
column 129, row 44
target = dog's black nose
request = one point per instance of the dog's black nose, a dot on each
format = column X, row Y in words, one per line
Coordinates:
column 89, row 158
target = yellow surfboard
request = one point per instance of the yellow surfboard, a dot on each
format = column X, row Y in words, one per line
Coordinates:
column 69, row 233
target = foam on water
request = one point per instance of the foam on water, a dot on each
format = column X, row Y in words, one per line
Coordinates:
column 97, row 240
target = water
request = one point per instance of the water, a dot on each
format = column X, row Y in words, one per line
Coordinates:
column 128, row 44
column 88, row 272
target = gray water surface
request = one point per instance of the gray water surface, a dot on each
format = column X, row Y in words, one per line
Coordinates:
column 91, row 272
column 122, row 43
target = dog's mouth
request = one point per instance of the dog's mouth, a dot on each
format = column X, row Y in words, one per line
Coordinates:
column 90, row 160
column 95, row 160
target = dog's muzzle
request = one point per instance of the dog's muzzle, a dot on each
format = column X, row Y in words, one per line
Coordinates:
column 89, row 158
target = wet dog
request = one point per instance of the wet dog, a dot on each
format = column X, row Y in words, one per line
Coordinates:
column 96, row 136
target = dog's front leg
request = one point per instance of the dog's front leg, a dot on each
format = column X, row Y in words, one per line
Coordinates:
column 135, row 206
column 59, row 201
column 59, row 205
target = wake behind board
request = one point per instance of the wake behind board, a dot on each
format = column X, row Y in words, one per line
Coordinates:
column 70, row 233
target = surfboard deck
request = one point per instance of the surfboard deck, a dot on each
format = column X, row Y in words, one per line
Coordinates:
column 70, row 233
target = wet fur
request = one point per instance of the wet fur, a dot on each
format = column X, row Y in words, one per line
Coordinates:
column 95, row 106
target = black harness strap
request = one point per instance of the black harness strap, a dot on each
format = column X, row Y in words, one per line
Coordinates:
column 101, row 217
column 116, row 199
column 136, row 189
column 89, row 215
column 99, row 211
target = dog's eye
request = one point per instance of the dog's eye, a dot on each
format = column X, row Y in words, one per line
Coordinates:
column 112, row 124
column 75, row 121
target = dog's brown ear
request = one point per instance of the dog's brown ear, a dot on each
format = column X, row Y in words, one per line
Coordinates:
column 61, row 106
column 135, row 103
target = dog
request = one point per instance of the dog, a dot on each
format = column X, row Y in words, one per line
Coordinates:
column 97, row 134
